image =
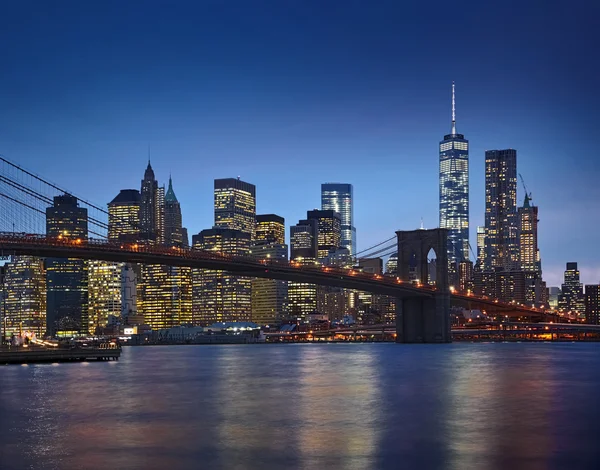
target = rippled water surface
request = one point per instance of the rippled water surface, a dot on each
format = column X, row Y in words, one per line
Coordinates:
column 339, row 406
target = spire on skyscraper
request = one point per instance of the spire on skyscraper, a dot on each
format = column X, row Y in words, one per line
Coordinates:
column 453, row 111
column 170, row 196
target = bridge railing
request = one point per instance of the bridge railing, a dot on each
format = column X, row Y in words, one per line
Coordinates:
column 8, row 238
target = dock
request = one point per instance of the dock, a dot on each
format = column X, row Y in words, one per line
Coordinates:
column 34, row 356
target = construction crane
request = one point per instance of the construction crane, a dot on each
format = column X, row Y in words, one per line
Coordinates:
column 527, row 194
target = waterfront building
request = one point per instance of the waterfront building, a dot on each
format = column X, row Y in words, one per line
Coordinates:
column 501, row 221
column 529, row 254
column 217, row 295
column 269, row 296
column 454, row 191
column 24, row 297
column 123, row 225
column 104, row 292
column 339, row 197
column 66, row 278
column 235, row 205
column 329, row 234
column 571, row 298
column 302, row 297
column 592, row 304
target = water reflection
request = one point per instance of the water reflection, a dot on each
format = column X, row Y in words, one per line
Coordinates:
column 336, row 406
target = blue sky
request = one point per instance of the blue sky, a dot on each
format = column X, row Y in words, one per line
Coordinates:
column 290, row 94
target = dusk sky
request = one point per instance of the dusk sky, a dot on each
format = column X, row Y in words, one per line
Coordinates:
column 291, row 94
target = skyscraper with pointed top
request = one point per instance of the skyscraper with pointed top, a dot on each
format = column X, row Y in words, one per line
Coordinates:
column 454, row 190
column 173, row 222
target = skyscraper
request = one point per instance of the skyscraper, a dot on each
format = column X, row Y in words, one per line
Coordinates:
column 67, row 278
column 149, row 210
column 571, row 298
column 501, row 222
column 105, row 278
column 454, row 191
column 270, row 228
column 302, row 297
column 528, row 237
column 217, row 295
column 235, row 205
column 328, row 231
column 25, row 296
column 269, row 296
column 173, row 222
column 339, row 197
column 124, row 216
column 480, row 246
column 529, row 254
column 592, row 304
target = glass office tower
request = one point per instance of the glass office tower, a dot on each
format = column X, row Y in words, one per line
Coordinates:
column 454, row 191
column 339, row 197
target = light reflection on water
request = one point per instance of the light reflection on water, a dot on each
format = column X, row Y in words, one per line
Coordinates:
column 340, row 406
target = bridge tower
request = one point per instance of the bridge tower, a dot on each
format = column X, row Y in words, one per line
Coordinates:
column 423, row 319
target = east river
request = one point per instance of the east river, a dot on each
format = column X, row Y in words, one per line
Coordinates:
column 308, row 406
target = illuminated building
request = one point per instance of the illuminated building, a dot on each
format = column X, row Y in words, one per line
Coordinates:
column 124, row 216
column 173, row 222
column 465, row 276
column 24, row 296
column 66, row 278
column 104, row 291
column 592, row 304
column 571, row 298
column 391, row 266
column 501, row 222
column 528, row 237
column 151, row 208
column 368, row 305
column 217, row 295
column 269, row 296
column 454, row 191
column 329, row 231
column 339, row 197
column 529, row 254
column 270, row 228
column 302, row 297
column 109, row 281
column 480, row 246
column 235, row 205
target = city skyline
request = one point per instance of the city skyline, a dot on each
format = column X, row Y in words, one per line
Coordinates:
column 378, row 131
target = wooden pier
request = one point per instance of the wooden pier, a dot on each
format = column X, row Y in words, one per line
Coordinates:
column 33, row 356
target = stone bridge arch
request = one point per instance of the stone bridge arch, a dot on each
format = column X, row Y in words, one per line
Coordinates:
column 422, row 319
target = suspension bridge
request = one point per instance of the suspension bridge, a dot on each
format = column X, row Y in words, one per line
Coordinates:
column 423, row 309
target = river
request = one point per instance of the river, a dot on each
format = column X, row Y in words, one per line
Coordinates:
column 308, row 406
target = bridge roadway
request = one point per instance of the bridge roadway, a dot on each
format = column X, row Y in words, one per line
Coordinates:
column 55, row 247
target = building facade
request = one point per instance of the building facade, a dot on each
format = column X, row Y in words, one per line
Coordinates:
column 592, row 304
column 217, row 295
column 454, row 191
column 66, row 278
column 501, row 222
column 270, row 228
column 329, row 231
column 339, row 197
column 235, row 205
column 571, row 298
column 302, row 297
column 173, row 221
column 269, row 296
column 24, row 299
